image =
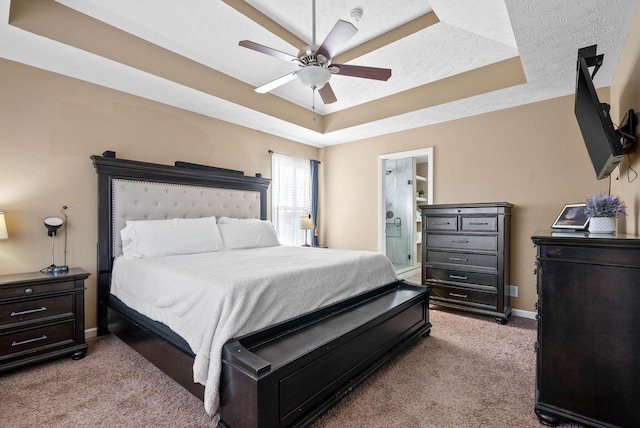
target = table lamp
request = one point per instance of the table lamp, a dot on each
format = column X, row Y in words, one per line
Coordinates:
column 306, row 224
column 53, row 224
column 3, row 227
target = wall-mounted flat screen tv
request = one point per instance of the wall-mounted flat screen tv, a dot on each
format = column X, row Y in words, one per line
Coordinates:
column 600, row 137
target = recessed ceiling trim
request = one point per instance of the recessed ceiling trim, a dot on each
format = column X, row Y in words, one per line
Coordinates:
column 263, row 20
column 418, row 24
column 493, row 77
column 423, row 22
column 57, row 22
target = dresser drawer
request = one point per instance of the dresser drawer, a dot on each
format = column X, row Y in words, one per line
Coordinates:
column 33, row 309
column 462, row 295
column 441, row 223
column 37, row 339
column 479, row 280
column 488, row 261
column 464, row 242
column 479, row 224
column 34, row 289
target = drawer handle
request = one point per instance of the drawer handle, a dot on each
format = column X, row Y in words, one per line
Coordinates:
column 459, row 241
column 457, row 277
column 463, row 296
column 478, row 223
column 30, row 311
column 24, row 342
column 458, row 259
column 441, row 224
column 28, row 290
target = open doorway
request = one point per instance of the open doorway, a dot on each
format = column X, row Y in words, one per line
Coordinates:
column 405, row 182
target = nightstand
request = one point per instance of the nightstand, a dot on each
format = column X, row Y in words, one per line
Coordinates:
column 41, row 317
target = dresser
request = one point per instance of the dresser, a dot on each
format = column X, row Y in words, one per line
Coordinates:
column 41, row 317
column 588, row 344
column 465, row 257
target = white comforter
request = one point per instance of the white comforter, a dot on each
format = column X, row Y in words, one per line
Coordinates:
column 209, row 298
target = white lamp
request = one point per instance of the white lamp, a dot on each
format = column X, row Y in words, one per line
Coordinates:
column 3, row 227
column 306, row 224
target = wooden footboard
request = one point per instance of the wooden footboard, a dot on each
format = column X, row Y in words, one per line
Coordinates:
column 289, row 374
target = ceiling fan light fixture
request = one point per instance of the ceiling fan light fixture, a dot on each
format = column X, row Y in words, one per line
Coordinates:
column 314, row 76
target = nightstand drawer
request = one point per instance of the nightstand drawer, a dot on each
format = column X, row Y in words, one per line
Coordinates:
column 488, row 261
column 459, row 295
column 34, row 289
column 478, row 280
column 34, row 309
column 464, row 242
column 32, row 340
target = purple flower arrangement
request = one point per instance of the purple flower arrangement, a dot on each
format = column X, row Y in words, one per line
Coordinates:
column 603, row 205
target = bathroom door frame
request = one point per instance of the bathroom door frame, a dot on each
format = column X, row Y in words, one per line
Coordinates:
column 418, row 153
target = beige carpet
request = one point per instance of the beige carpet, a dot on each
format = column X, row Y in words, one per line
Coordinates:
column 471, row 372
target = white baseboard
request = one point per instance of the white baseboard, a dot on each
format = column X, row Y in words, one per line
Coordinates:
column 523, row 314
column 92, row 332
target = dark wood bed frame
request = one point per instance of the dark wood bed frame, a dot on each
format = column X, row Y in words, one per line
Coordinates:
column 284, row 375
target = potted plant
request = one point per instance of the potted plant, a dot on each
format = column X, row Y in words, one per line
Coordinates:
column 602, row 210
column 420, row 193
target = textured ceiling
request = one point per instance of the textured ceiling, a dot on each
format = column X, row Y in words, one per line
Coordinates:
column 449, row 59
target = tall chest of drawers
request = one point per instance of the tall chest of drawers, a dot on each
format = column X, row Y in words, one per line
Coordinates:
column 466, row 257
column 41, row 317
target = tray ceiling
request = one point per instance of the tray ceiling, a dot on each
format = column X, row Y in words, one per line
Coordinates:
column 448, row 59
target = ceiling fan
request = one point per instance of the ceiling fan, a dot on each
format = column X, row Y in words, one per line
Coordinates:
column 315, row 61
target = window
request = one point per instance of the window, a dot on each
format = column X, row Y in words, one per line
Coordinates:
column 290, row 197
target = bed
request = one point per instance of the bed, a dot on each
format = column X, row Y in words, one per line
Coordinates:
column 280, row 361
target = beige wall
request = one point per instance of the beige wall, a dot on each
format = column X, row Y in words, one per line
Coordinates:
column 625, row 94
column 531, row 156
column 50, row 125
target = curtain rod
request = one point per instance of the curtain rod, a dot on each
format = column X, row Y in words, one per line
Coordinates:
column 271, row 152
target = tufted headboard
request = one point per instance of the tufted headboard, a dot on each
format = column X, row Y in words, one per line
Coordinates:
column 146, row 200
column 132, row 190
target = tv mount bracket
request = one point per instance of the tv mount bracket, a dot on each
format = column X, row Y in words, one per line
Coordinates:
column 626, row 132
column 590, row 57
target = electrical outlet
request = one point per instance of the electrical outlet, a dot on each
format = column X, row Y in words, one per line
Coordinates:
column 513, row 290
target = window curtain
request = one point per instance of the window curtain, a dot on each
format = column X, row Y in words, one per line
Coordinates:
column 290, row 197
column 315, row 242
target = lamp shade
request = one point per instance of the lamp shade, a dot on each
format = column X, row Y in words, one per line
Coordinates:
column 306, row 223
column 3, row 227
column 314, row 76
column 53, row 224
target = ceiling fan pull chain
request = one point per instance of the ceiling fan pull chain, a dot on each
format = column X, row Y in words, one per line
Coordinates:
column 313, row 98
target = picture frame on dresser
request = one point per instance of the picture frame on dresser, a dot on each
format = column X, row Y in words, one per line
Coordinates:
column 572, row 217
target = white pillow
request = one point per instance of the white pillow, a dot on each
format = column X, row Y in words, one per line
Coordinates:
column 154, row 238
column 229, row 220
column 248, row 234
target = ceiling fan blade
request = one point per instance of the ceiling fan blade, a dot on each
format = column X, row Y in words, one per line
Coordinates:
column 364, row 72
column 267, row 50
column 327, row 95
column 337, row 37
column 275, row 83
